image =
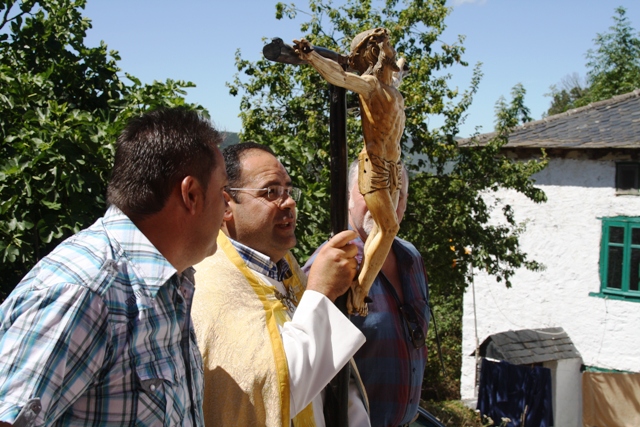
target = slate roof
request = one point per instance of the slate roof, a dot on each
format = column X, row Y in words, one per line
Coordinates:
column 528, row 346
column 610, row 124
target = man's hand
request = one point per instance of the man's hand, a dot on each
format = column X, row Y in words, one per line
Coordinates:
column 335, row 266
column 302, row 48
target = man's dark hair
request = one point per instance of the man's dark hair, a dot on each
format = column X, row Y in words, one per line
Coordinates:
column 155, row 152
column 233, row 155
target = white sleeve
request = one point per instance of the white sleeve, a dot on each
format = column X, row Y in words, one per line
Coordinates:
column 318, row 342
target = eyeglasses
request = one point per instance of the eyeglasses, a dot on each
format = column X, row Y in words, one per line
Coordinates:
column 274, row 192
column 415, row 330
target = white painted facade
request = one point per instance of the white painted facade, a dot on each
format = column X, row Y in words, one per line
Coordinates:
column 564, row 235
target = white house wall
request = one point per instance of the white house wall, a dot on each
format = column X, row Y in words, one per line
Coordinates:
column 563, row 234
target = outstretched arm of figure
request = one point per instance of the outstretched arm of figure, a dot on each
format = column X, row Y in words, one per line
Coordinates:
column 399, row 75
column 332, row 71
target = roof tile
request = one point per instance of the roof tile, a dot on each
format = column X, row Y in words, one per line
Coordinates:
column 612, row 123
column 528, row 346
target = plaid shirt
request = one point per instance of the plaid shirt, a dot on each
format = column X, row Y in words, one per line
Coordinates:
column 277, row 271
column 390, row 367
column 262, row 263
column 100, row 332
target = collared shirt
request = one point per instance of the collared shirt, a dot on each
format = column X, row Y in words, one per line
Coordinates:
column 390, row 367
column 276, row 271
column 261, row 263
column 99, row 331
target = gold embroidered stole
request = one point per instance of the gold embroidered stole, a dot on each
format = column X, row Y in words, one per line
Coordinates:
column 237, row 317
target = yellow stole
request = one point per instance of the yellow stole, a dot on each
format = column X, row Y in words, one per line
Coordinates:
column 236, row 317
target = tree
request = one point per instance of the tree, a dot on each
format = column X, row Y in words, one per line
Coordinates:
column 572, row 89
column 456, row 239
column 286, row 107
column 62, row 104
column 613, row 68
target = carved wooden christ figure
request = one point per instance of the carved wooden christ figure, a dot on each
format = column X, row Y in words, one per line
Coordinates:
column 382, row 115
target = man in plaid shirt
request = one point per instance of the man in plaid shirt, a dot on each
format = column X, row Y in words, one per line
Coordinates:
column 99, row 332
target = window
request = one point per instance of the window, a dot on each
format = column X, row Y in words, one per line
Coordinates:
column 628, row 178
column 620, row 258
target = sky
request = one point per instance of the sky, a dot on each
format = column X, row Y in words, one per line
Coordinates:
column 533, row 42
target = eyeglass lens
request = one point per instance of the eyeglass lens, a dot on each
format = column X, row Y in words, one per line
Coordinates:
column 276, row 192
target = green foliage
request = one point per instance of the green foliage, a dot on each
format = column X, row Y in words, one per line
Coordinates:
column 454, row 413
column 62, row 105
column 514, row 113
column 456, row 237
column 613, row 68
column 565, row 99
column 287, row 107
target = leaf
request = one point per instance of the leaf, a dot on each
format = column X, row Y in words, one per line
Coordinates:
column 7, row 204
column 52, row 205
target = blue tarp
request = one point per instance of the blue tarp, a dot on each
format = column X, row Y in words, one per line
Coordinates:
column 507, row 390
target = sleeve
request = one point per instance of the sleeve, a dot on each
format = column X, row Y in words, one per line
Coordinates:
column 318, row 342
column 52, row 344
column 307, row 265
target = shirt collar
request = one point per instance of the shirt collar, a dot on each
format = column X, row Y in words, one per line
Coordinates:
column 152, row 269
column 261, row 263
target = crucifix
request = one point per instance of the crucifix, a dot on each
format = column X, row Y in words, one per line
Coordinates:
column 278, row 51
column 383, row 119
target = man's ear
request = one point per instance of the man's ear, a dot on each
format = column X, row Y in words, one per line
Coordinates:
column 191, row 193
column 228, row 214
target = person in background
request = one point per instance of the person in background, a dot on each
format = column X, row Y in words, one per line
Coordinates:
column 271, row 340
column 392, row 361
column 99, row 331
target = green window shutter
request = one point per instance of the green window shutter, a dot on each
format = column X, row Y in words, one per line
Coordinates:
column 620, row 258
column 615, row 256
column 634, row 258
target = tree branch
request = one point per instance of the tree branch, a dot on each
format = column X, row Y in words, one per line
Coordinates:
column 5, row 18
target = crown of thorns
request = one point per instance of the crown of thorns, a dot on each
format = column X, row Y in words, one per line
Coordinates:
column 360, row 42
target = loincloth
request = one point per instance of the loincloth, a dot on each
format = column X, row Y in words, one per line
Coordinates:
column 376, row 173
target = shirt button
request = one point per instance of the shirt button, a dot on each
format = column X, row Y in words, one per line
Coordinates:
column 153, row 387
